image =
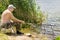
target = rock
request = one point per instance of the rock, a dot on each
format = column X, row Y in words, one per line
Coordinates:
column 23, row 38
column 43, row 37
column 19, row 38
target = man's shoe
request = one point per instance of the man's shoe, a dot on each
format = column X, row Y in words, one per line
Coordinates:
column 20, row 33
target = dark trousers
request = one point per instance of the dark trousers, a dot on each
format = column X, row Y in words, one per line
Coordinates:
column 10, row 24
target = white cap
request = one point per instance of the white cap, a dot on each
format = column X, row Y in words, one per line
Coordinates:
column 11, row 6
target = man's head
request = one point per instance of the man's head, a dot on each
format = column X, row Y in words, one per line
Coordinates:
column 11, row 7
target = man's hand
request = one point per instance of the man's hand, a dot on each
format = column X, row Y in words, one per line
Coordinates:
column 23, row 22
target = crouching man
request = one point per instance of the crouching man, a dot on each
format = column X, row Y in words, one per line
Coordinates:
column 7, row 16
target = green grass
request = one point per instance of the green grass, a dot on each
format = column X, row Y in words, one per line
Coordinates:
column 3, row 36
column 57, row 38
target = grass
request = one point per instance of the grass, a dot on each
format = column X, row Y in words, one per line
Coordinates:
column 3, row 36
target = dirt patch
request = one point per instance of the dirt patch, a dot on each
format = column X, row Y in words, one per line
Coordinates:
column 19, row 38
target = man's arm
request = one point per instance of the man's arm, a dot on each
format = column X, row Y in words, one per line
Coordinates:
column 15, row 19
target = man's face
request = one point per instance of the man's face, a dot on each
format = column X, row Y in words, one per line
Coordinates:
column 12, row 9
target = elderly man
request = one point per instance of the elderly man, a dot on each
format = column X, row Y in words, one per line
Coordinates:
column 7, row 16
